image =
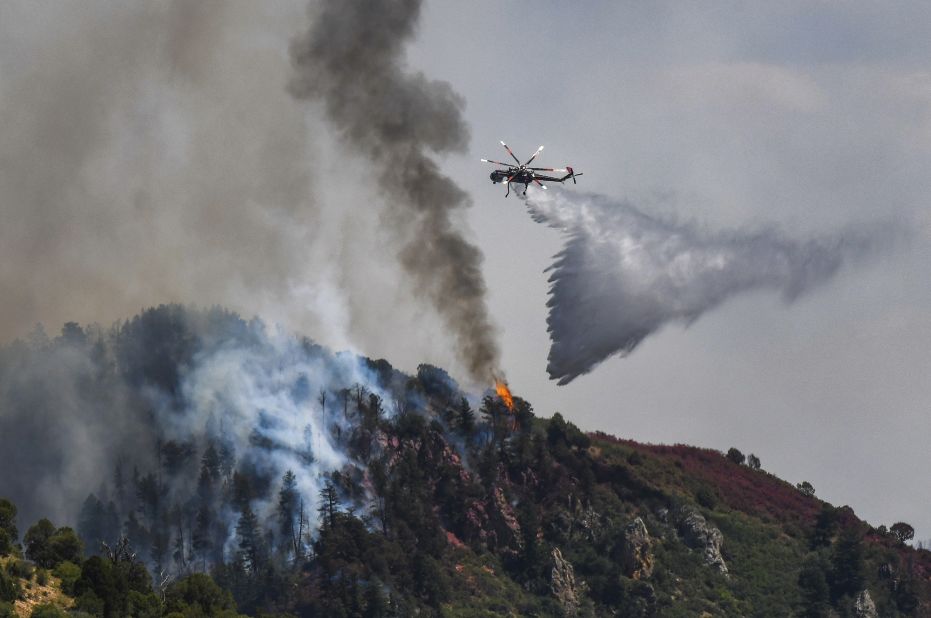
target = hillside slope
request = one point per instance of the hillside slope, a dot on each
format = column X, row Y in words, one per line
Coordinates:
column 320, row 484
column 33, row 588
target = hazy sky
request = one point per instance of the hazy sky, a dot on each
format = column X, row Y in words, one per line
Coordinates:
column 153, row 154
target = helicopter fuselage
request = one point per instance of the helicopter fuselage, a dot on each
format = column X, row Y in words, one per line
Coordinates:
column 524, row 177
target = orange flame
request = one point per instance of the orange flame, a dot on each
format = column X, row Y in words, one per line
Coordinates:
column 501, row 387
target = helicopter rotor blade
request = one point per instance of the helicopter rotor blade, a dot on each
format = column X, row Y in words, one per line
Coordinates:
column 539, row 150
column 497, row 162
column 548, row 169
column 510, row 153
column 542, row 186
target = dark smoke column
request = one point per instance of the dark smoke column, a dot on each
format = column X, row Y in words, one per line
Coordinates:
column 351, row 60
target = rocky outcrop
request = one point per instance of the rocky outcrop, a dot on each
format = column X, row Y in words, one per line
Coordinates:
column 699, row 534
column 493, row 523
column 505, row 527
column 587, row 521
column 637, row 560
column 579, row 521
column 864, row 607
column 563, row 586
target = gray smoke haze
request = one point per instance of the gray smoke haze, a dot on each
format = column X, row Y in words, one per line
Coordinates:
column 149, row 153
column 624, row 274
column 60, row 431
column 352, row 61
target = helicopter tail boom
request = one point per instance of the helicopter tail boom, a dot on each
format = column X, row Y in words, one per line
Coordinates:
column 571, row 175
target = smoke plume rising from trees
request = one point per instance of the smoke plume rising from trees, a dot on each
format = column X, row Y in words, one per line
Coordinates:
column 153, row 153
column 351, row 60
column 131, row 412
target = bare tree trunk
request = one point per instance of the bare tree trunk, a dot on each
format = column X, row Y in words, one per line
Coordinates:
column 300, row 533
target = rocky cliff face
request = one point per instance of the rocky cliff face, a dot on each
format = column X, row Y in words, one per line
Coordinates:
column 700, row 535
column 563, row 584
column 864, row 606
column 637, row 559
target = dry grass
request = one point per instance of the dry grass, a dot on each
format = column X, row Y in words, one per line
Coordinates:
column 34, row 594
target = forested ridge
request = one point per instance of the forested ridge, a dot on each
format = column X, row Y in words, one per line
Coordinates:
column 188, row 462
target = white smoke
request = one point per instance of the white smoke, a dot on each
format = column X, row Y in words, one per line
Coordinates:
column 254, row 390
column 264, row 400
column 270, row 392
column 624, row 273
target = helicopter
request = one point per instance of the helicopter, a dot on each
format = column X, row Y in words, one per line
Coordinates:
column 523, row 174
